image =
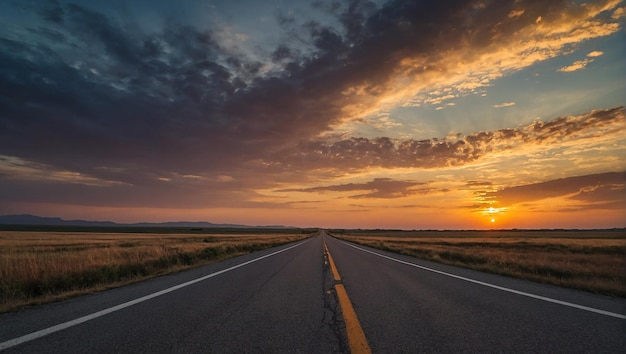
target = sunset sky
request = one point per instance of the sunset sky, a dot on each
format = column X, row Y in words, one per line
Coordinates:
column 346, row 114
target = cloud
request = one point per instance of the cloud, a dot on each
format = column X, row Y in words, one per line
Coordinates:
column 581, row 64
column 516, row 13
column 386, row 123
column 597, row 188
column 105, row 111
column 167, row 94
column 378, row 188
column 363, row 153
column 577, row 65
column 478, row 183
column 17, row 168
column 505, row 104
column 496, row 39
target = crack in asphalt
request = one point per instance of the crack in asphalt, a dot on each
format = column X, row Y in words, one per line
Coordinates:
column 332, row 314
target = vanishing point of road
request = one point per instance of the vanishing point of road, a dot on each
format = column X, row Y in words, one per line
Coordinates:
column 323, row 295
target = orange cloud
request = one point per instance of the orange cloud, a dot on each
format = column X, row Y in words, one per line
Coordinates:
column 581, row 64
column 605, row 190
column 516, row 13
column 460, row 63
column 577, row 65
column 360, row 153
column 15, row 168
column 378, row 188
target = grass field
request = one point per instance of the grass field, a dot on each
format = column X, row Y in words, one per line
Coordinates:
column 42, row 266
column 591, row 260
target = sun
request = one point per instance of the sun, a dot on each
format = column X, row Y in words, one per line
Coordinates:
column 493, row 215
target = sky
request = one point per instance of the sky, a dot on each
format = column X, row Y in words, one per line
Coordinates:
column 401, row 114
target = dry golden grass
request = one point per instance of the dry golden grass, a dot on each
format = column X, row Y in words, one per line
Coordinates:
column 594, row 261
column 38, row 267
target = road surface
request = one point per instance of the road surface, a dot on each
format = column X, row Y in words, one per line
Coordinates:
column 284, row 300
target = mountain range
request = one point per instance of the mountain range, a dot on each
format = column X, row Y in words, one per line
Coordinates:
column 34, row 220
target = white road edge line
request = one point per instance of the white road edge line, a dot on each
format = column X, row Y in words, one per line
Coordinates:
column 44, row 332
column 538, row 297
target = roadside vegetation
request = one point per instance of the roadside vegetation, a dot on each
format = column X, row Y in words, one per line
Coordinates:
column 590, row 260
column 43, row 266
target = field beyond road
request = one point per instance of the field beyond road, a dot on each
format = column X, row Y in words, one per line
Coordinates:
column 43, row 266
column 590, row 260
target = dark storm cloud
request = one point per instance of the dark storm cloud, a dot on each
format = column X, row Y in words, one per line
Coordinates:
column 105, row 94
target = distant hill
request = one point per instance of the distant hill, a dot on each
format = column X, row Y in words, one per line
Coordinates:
column 33, row 220
column 26, row 219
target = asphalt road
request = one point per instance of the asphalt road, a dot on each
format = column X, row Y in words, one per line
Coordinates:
column 275, row 305
column 281, row 301
column 404, row 309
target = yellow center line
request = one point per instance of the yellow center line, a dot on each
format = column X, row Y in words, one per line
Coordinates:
column 356, row 336
column 333, row 267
